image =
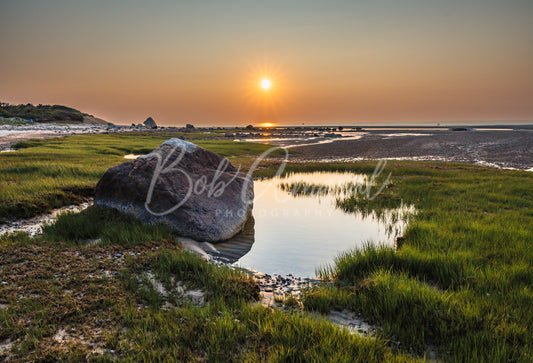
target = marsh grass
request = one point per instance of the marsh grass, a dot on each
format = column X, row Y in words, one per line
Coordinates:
column 303, row 188
column 462, row 280
column 346, row 189
column 227, row 328
column 250, row 333
column 14, row 121
column 107, row 226
column 353, row 266
column 366, row 203
column 169, row 266
column 16, row 238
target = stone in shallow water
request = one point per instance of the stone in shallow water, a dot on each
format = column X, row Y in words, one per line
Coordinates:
column 195, row 192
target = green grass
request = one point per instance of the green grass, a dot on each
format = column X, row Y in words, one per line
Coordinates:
column 226, row 328
column 462, row 280
column 105, row 225
column 13, row 121
column 45, row 174
column 220, row 282
column 216, row 333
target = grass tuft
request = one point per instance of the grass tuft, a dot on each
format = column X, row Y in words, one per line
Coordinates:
column 108, row 226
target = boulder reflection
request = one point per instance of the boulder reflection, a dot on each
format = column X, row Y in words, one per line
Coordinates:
column 232, row 250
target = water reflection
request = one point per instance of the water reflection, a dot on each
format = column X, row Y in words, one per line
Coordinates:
column 295, row 233
column 232, row 250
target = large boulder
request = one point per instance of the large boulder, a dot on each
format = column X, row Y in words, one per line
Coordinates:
column 195, row 192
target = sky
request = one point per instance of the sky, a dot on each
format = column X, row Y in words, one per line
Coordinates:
column 339, row 62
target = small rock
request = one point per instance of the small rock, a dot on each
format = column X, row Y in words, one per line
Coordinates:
column 150, row 123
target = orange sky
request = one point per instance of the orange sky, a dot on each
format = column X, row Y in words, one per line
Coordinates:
column 344, row 62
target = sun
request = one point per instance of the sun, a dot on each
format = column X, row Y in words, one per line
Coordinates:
column 266, row 84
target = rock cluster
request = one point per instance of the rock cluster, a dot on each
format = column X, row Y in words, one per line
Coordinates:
column 277, row 285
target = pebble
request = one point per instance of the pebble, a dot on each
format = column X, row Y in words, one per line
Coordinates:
column 281, row 285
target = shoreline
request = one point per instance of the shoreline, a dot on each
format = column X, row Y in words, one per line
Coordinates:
column 500, row 148
column 512, row 149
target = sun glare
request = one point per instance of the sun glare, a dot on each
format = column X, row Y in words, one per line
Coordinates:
column 266, row 84
column 266, row 93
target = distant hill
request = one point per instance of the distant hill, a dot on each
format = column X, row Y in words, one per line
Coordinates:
column 48, row 113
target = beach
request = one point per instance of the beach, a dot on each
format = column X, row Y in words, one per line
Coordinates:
column 10, row 135
column 496, row 148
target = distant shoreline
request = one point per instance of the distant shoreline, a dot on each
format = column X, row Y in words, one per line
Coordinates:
column 509, row 146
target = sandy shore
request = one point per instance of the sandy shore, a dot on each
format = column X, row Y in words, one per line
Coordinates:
column 10, row 135
column 498, row 148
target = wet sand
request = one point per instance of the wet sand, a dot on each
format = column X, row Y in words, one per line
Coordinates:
column 506, row 149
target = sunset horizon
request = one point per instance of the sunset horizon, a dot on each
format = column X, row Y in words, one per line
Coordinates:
column 342, row 63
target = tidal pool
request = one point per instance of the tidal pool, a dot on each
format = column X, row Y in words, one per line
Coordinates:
column 296, row 233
